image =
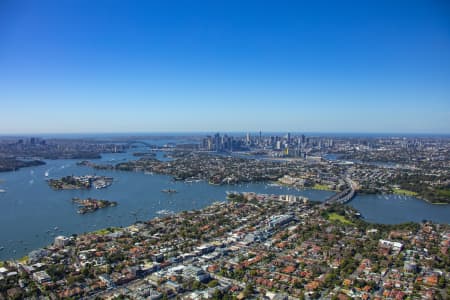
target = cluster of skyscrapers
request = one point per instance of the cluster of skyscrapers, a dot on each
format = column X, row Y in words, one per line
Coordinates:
column 287, row 145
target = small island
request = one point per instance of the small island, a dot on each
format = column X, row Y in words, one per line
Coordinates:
column 80, row 182
column 90, row 204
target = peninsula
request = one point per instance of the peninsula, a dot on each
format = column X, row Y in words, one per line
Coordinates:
column 80, row 182
column 13, row 164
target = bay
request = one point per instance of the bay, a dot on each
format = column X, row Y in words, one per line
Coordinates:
column 395, row 209
column 32, row 214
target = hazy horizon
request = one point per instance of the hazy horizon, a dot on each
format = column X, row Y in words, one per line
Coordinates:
column 202, row 134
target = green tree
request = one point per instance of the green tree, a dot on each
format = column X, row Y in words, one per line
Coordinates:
column 213, row 283
column 442, row 283
column 249, row 290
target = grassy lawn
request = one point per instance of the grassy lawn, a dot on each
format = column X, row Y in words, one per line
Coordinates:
column 2, row 263
column 339, row 218
column 24, row 259
column 322, row 187
column 105, row 231
column 404, row 192
column 443, row 193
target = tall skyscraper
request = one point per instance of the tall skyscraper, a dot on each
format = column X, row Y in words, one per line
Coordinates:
column 217, row 142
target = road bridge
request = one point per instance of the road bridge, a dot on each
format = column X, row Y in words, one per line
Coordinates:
column 345, row 196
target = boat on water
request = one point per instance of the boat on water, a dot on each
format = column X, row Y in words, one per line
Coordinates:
column 169, row 191
column 2, row 191
column 102, row 182
column 231, row 193
column 1, row 248
column 101, row 185
column 46, row 174
column 192, row 180
column 164, row 212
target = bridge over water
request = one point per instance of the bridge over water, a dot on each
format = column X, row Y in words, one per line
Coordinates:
column 343, row 197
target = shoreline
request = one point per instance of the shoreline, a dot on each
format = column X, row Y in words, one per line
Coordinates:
column 362, row 192
column 422, row 198
column 111, row 229
column 432, row 203
column 262, row 182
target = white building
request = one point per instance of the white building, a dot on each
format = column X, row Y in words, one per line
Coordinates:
column 61, row 241
column 41, row 277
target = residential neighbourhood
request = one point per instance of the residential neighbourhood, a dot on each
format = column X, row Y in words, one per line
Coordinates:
column 254, row 246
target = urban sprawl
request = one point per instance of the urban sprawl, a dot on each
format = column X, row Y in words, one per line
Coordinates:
column 251, row 246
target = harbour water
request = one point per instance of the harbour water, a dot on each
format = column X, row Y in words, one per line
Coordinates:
column 32, row 214
column 394, row 209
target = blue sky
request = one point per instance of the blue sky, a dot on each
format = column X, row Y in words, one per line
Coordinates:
column 157, row 66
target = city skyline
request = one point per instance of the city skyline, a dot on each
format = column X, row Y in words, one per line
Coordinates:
column 347, row 67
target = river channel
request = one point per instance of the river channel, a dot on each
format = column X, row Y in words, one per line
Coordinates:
column 32, row 214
